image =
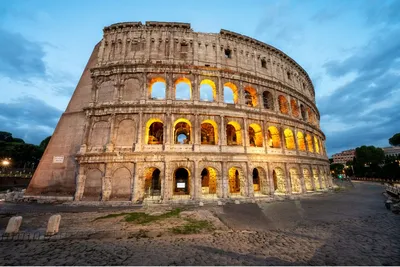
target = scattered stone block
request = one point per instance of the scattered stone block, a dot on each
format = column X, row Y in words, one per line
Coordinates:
column 53, row 225
column 220, row 203
column 13, row 225
column 237, row 201
column 201, row 204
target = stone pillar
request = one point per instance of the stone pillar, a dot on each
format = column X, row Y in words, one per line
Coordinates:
column 241, row 94
column 195, row 90
column 270, row 175
column 110, row 145
column 283, row 139
column 224, row 180
column 143, row 92
column 80, row 183
column 53, row 225
column 167, row 132
column 197, row 133
column 220, row 95
column 302, row 179
column 137, row 194
column 288, row 180
column 246, row 141
column 140, row 133
column 222, row 136
column 168, row 181
column 250, row 181
column 196, row 181
column 86, row 134
column 106, row 188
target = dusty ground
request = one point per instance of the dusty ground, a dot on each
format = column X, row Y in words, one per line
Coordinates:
column 346, row 228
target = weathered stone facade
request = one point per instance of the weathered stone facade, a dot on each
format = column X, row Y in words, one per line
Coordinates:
column 120, row 140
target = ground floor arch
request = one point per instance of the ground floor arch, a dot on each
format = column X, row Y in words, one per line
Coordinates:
column 93, row 185
column 260, row 184
column 121, row 185
column 152, row 182
column 236, row 181
column 181, row 185
column 307, row 179
column 209, row 181
column 279, row 178
column 295, row 180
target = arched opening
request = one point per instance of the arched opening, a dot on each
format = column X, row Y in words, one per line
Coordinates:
column 295, row 108
column 295, row 180
column 152, row 183
column 300, row 141
column 307, row 180
column 121, row 185
column 316, row 145
column 100, row 134
column 289, row 139
column 250, row 96
column 182, row 131
column 279, row 180
column 157, row 88
column 268, row 100
column 309, row 143
column 183, row 89
column 303, row 112
column 255, row 135
column 93, row 185
column 316, row 179
column 309, row 114
column 230, row 93
column 209, row 132
column 154, row 132
column 181, row 182
column 208, row 181
column 208, row 90
column 235, row 180
column 274, row 140
column 233, row 134
column 283, row 105
column 256, row 180
column 126, row 133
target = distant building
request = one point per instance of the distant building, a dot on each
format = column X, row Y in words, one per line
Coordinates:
column 344, row 156
column 391, row 150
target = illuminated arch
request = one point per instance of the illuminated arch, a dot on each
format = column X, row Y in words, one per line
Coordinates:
column 255, row 135
column 279, row 179
column 300, row 141
column 295, row 108
column 309, row 115
column 230, row 87
column 274, row 139
column 289, row 139
column 295, row 180
column 309, row 143
column 236, row 181
column 157, row 88
column 183, row 89
column 250, row 96
column 307, row 180
column 316, row 179
column 316, row 145
column 152, row 182
column 208, row 90
column 182, row 129
column 209, row 181
column 209, row 132
column 154, row 132
column 233, row 134
column 283, row 105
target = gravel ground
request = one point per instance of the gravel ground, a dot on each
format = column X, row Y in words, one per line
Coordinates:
column 349, row 228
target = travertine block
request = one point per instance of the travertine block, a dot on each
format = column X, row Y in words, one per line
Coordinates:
column 53, row 224
column 13, row 225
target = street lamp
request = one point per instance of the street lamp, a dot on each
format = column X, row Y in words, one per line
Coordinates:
column 5, row 162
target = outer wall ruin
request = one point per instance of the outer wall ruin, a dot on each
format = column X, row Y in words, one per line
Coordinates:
column 163, row 113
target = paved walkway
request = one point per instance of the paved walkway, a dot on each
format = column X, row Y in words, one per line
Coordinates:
column 347, row 228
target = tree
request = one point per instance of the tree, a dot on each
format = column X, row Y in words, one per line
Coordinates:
column 337, row 168
column 331, row 160
column 6, row 137
column 367, row 161
column 395, row 140
column 44, row 143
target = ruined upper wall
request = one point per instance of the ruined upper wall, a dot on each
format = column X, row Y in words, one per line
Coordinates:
column 176, row 43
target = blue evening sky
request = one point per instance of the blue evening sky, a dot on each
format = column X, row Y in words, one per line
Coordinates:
column 350, row 48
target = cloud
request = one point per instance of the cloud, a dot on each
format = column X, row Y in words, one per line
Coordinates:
column 368, row 106
column 29, row 118
column 19, row 57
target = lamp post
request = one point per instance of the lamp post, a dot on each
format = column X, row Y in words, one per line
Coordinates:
column 5, row 163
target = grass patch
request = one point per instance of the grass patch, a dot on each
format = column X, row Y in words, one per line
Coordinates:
column 193, row 227
column 143, row 218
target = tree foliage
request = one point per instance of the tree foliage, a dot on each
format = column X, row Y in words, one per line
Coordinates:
column 44, row 143
column 395, row 140
column 21, row 154
column 369, row 155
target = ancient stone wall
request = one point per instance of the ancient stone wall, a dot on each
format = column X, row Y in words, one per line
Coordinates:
column 170, row 114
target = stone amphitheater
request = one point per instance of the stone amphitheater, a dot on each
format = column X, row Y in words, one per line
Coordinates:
column 164, row 113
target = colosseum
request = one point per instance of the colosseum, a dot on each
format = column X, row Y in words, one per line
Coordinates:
column 163, row 113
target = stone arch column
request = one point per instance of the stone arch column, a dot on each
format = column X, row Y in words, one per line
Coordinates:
column 288, row 181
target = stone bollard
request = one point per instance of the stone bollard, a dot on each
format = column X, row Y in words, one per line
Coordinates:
column 201, row 204
column 237, row 202
column 220, row 203
column 13, row 225
column 53, row 225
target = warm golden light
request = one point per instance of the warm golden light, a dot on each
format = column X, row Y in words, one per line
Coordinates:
column 300, row 141
column 5, row 162
column 234, row 91
column 289, row 139
column 212, row 85
column 257, row 139
column 274, row 139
